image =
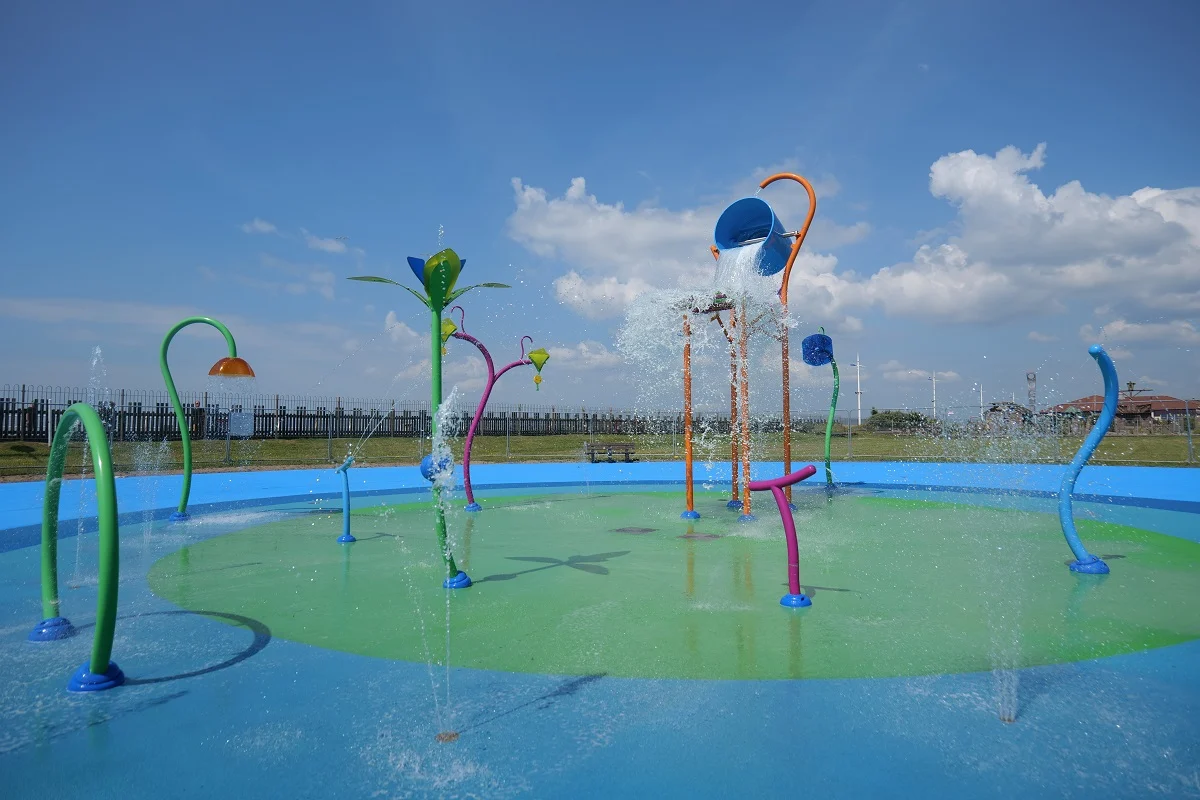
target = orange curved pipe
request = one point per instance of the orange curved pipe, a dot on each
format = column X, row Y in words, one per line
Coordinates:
column 796, row 245
column 783, row 299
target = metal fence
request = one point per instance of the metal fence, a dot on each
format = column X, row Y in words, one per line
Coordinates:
column 31, row 413
column 959, row 433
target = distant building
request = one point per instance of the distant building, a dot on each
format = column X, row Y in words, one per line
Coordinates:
column 1131, row 405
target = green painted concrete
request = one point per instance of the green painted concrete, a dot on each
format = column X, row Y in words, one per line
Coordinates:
column 899, row 587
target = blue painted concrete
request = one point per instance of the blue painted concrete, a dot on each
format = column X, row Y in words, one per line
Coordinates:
column 214, row 709
column 20, row 502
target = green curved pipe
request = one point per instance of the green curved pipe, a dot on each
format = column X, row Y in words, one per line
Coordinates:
column 106, row 502
column 829, row 422
column 435, row 338
column 184, row 436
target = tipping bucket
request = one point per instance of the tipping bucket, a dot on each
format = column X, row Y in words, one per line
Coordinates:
column 750, row 221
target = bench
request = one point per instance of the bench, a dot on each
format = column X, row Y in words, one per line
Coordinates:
column 608, row 450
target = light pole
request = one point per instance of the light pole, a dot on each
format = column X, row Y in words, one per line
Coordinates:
column 858, row 384
column 933, row 377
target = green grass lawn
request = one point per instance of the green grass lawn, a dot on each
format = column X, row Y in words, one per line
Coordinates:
column 25, row 460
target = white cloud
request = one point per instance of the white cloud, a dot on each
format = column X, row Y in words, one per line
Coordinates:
column 602, row 297
column 299, row 278
column 1151, row 381
column 1016, row 251
column 1035, row 336
column 615, row 253
column 584, row 355
column 401, row 334
column 257, row 225
column 335, row 245
column 1174, row 332
column 893, row 370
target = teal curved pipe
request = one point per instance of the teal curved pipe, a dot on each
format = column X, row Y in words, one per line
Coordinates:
column 1085, row 562
column 184, row 436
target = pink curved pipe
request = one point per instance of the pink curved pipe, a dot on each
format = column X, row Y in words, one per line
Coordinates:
column 776, row 486
column 493, row 376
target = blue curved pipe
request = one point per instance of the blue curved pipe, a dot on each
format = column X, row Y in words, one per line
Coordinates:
column 1085, row 562
column 345, row 470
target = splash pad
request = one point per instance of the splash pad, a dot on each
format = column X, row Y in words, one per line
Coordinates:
column 604, row 641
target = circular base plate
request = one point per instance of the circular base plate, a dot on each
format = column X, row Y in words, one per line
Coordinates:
column 85, row 680
column 690, row 515
column 346, row 538
column 180, row 516
column 52, row 630
column 1092, row 566
column 795, row 600
column 459, row 581
column 473, row 507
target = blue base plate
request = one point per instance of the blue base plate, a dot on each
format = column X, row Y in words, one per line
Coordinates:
column 473, row 507
column 747, row 518
column 459, row 581
column 180, row 516
column 52, row 630
column 690, row 515
column 1091, row 566
column 86, row 681
column 733, row 505
column 346, row 538
column 795, row 600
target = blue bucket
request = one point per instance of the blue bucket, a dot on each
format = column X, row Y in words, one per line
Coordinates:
column 747, row 221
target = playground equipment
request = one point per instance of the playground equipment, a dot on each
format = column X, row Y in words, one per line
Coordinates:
column 537, row 358
column 1085, row 562
column 438, row 274
column 795, row 598
column 745, row 223
column 229, row 367
column 817, row 351
column 99, row 672
column 346, row 538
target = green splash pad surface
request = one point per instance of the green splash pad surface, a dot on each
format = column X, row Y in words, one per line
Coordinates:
column 573, row 584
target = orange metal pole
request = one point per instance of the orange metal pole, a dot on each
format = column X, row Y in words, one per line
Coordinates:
column 687, row 412
column 744, row 336
column 783, row 299
column 733, row 419
column 733, row 393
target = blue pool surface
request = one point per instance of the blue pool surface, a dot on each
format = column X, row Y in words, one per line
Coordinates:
column 220, row 710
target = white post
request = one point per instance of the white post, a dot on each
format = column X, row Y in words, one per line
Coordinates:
column 981, row 402
column 858, row 384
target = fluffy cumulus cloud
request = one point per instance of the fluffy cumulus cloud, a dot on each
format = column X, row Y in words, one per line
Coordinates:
column 1177, row 332
column 615, row 253
column 584, row 355
column 1014, row 250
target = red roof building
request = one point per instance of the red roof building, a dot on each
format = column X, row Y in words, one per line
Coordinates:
column 1129, row 405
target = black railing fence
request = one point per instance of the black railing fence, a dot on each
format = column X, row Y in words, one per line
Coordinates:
column 31, row 413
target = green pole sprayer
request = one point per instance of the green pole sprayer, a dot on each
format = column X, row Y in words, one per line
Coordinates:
column 99, row 672
column 437, row 275
column 230, row 367
column 817, row 351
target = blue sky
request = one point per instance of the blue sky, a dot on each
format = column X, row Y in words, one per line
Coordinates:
column 160, row 161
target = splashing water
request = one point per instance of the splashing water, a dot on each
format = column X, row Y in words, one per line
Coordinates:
column 447, row 429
